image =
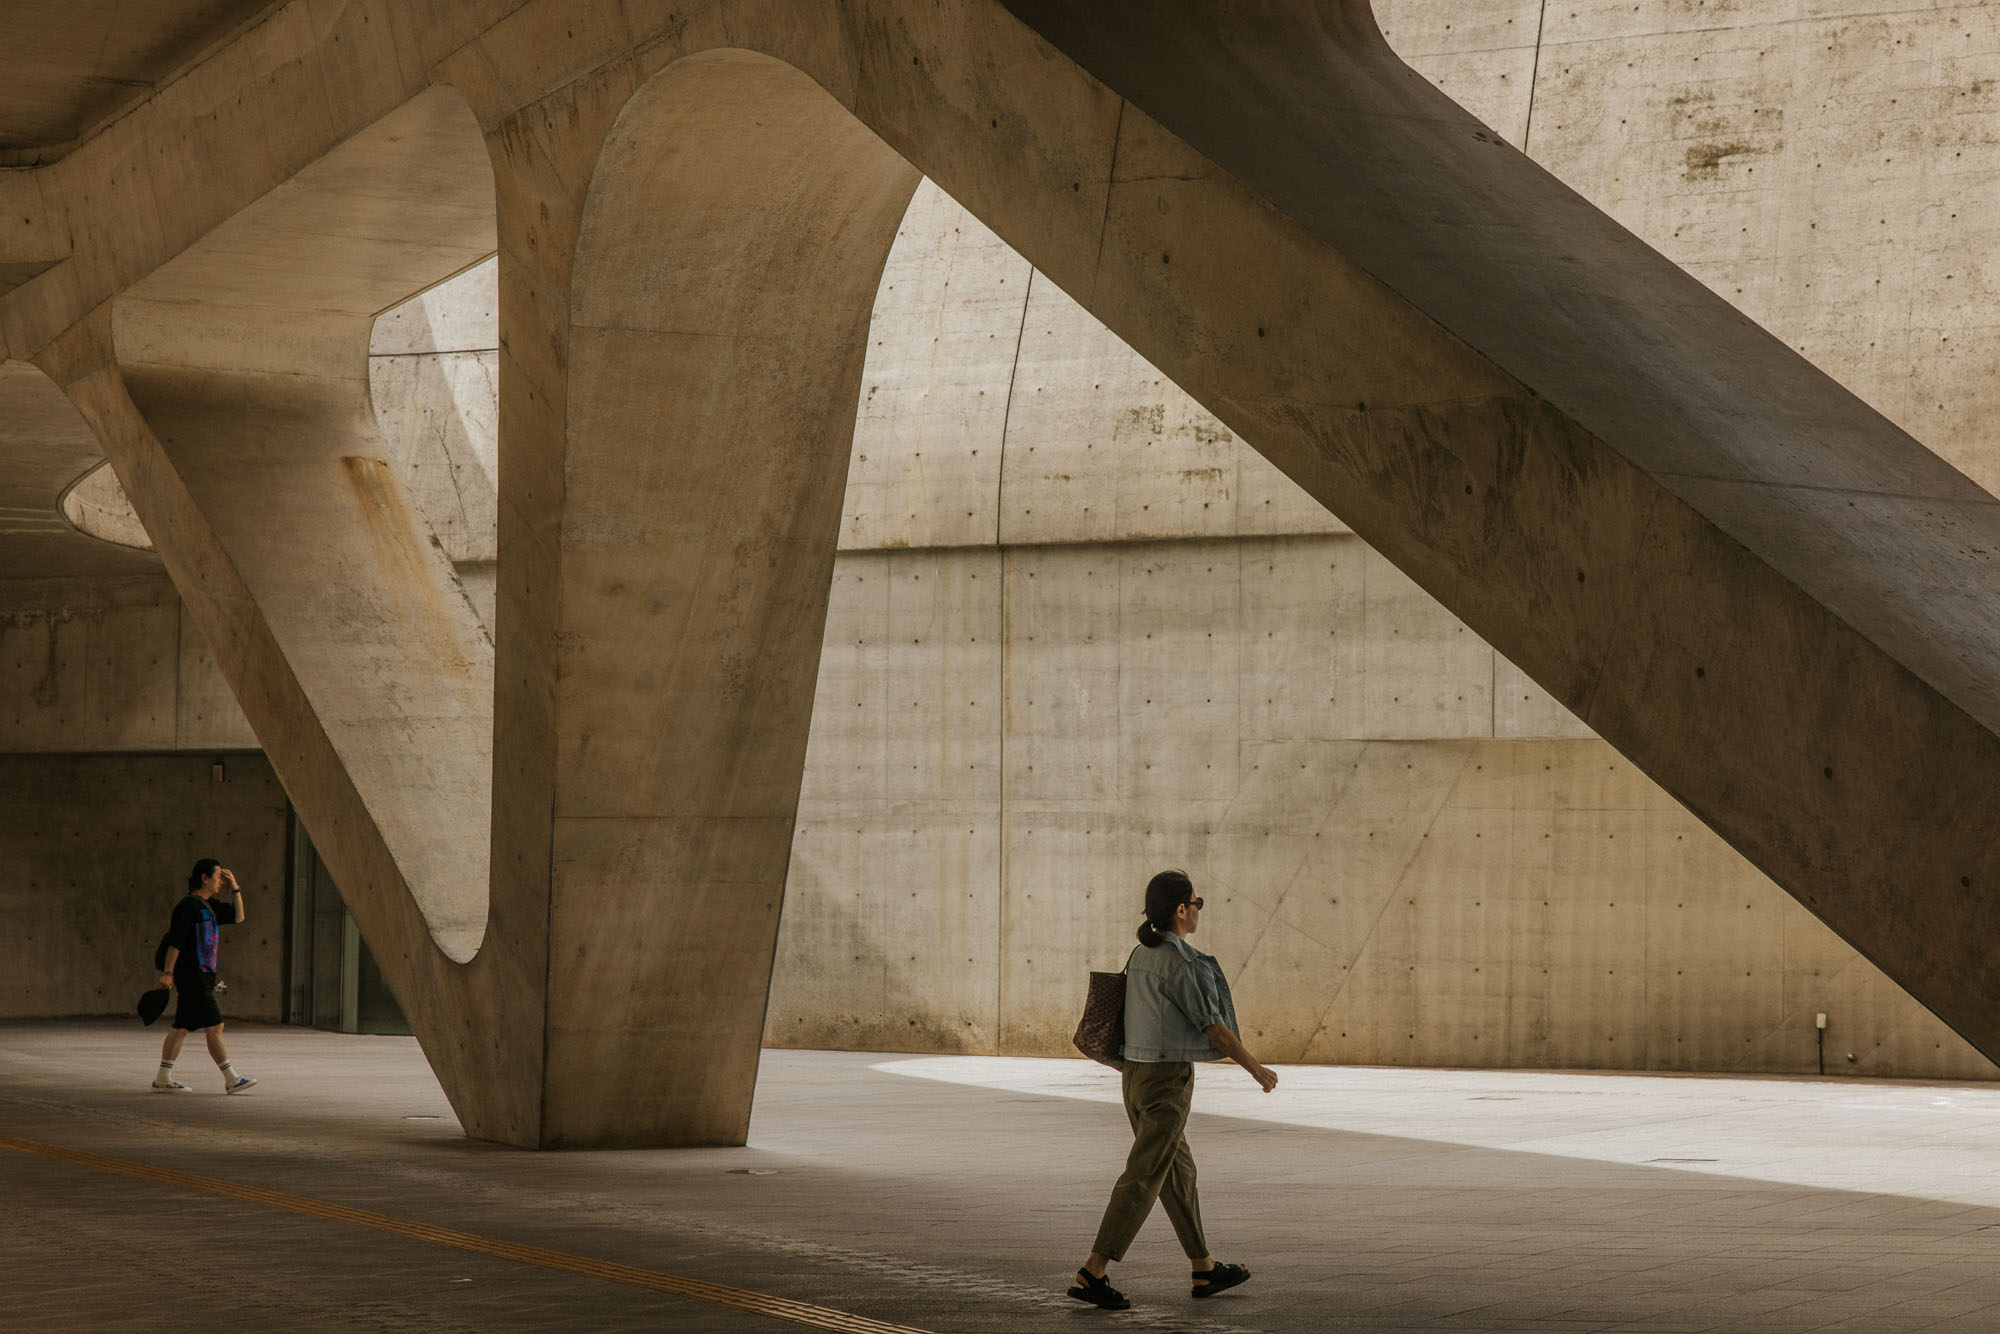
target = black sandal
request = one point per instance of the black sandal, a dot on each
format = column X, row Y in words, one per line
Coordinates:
column 1099, row 1292
column 1208, row 1282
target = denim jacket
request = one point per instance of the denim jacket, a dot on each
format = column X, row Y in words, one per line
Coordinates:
column 1172, row 993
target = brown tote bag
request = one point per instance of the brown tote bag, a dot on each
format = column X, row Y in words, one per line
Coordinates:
column 1100, row 1034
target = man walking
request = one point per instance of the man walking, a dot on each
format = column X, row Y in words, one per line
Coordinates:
column 194, row 942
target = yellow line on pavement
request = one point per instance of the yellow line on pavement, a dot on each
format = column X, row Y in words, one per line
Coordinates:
column 757, row 1303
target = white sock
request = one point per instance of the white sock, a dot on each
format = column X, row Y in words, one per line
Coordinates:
column 229, row 1072
column 166, row 1075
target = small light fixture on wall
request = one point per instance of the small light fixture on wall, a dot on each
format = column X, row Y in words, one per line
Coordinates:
column 216, row 773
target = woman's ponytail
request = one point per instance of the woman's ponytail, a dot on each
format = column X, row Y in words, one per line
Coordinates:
column 1165, row 893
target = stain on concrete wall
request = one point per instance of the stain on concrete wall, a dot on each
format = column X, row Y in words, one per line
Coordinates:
column 97, row 850
column 1831, row 170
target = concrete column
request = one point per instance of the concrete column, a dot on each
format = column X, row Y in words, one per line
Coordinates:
column 675, row 430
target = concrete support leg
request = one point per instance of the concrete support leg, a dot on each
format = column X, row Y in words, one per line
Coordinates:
column 230, row 391
column 682, row 350
column 724, row 269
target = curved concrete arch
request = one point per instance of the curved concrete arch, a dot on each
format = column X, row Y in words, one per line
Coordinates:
column 96, row 506
column 46, row 448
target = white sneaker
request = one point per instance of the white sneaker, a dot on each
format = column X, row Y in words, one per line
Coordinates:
column 236, row 1085
column 171, row 1086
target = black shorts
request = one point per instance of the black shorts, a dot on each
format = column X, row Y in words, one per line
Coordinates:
column 196, row 1007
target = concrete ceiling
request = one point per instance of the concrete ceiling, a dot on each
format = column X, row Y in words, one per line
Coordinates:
column 67, row 65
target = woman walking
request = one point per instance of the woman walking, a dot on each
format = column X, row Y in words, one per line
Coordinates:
column 191, row 956
column 1177, row 1011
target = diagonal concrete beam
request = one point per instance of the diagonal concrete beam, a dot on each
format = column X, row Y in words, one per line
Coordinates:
column 1773, row 600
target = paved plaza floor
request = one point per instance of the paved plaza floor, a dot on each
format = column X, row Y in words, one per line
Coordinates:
column 956, row 1193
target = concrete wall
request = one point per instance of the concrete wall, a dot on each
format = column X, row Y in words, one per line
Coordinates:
column 109, row 666
column 97, row 850
column 1065, row 647
column 97, row 825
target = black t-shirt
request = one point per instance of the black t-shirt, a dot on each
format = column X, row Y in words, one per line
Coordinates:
column 194, row 931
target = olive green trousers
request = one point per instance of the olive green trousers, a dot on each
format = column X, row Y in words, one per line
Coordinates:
column 1157, row 1097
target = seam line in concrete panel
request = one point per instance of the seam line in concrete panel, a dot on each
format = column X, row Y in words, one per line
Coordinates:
column 180, row 647
column 1493, row 695
column 1534, row 78
column 1389, row 899
column 1005, row 819
column 1007, row 412
column 1103, row 223
column 1006, row 666
column 1158, row 540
